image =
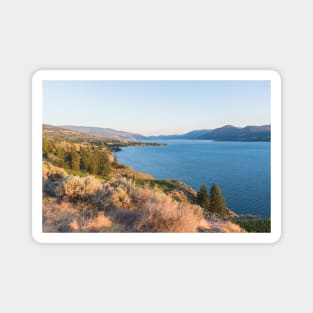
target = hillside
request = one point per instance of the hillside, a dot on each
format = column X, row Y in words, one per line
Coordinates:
column 225, row 133
column 61, row 133
column 232, row 133
column 74, row 136
column 86, row 190
column 105, row 132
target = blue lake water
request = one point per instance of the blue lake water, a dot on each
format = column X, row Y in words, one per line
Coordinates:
column 242, row 169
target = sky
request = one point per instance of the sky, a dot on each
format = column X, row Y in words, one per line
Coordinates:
column 156, row 107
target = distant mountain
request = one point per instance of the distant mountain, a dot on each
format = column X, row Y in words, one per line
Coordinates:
column 226, row 133
column 61, row 133
column 105, row 132
column 232, row 133
column 194, row 134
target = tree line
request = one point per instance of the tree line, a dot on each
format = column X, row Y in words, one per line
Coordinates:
column 93, row 160
column 214, row 201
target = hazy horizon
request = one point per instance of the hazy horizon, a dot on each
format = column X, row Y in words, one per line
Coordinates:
column 138, row 132
column 154, row 108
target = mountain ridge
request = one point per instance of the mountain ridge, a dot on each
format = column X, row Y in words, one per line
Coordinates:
column 224, row 133
column 104, row 132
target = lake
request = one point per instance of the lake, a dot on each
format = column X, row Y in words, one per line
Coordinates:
column 242, row 169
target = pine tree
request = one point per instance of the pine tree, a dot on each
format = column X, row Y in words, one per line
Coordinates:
column 86, row 160
column 60, row 154
column 218, row 203
column 74, row 160
column 45, row 149
column 203, row 197
column 103, row 163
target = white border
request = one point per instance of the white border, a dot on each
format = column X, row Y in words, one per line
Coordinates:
column 37, row 114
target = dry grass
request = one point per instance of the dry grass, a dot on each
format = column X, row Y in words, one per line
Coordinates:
column 58, row 217
column 70, row 217
column 130, row 173
column 88, row 204
column 152, row 210
column 216, row 225
column 98, row 224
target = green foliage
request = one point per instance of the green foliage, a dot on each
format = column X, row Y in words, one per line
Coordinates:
column 74, row 160
column 163, row 184
column 254, row 225
column 103, row 162
column 217, row 201
column 47, row 147
column 91, row 159
column 203, row 198
column 87, row 162
column 45, row 151
column 60, row 154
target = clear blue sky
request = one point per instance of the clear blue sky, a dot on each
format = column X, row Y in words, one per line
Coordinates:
column 156, row 107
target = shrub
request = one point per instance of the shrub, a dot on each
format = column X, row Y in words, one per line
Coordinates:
column 117, row 193
column 57, row 217
column 79, row 188
column 50, row 171
column 254, row 225
column 163, row 214
column 142, row 209
column 120, row 198
column 126, row 220
column 70, row 217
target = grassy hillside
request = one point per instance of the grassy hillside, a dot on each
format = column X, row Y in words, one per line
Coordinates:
column 73, row 136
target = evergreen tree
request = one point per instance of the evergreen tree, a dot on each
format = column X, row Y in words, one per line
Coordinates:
column 45, row 150
column 47, row 147
column 218, row 203
column 74, row 160
column 203, row 197
column 103, row 162
column 93, row 167
column 86, row 160
column 60, row 154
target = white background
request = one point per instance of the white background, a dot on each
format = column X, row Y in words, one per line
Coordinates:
column 155, row 34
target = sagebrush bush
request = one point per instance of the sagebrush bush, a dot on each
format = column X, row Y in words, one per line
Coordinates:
column 120, row 198
column 58, row 217
column 145, row 209
column 126, row 220
column 163, row 214
column 117, row 194
column 49, row 171
column 73, row 217
column 79, row 188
